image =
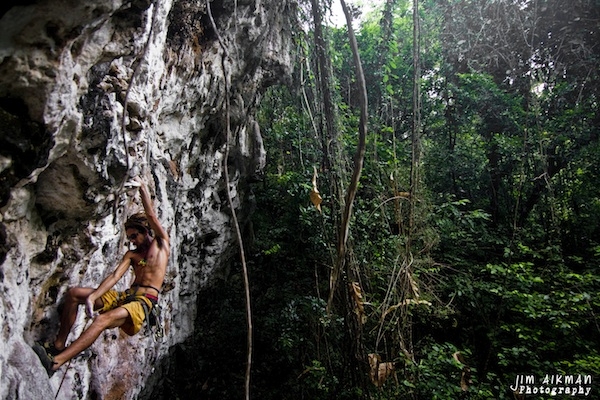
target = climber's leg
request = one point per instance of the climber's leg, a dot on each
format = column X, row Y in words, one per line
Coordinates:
column 107, row 320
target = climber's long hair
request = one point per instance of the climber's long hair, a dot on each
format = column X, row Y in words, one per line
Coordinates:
column 139, row 221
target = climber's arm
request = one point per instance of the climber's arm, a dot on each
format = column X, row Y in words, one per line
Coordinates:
column 159, row 231
column 108, row 283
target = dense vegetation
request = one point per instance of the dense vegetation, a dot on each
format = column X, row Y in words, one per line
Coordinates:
column 474, row 235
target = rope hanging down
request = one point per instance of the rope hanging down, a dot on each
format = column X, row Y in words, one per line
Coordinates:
column 87, row 323
column 135, row 72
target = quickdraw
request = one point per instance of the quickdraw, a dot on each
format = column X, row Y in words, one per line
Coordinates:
column 154, row 319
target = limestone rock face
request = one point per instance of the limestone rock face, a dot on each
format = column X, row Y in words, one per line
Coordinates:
column 93, row 92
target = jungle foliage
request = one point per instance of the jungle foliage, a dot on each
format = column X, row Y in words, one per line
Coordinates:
column 470, row 264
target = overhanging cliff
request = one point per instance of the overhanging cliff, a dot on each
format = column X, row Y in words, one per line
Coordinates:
column 68, row 70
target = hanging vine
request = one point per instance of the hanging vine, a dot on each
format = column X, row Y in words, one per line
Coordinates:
column 238, row 232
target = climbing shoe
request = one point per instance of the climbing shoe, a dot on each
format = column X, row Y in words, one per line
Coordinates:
column 46, row 358
column 49, row 347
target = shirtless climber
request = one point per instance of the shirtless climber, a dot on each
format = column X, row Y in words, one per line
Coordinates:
column 126, row 310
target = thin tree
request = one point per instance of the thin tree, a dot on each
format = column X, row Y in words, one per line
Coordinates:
column 358, row 159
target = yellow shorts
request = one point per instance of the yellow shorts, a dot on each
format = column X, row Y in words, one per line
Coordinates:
column 132, row 303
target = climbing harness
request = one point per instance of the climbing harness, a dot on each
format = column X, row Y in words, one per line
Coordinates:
column 153, row 315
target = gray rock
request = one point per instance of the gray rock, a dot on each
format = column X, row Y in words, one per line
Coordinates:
column 65, row 149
